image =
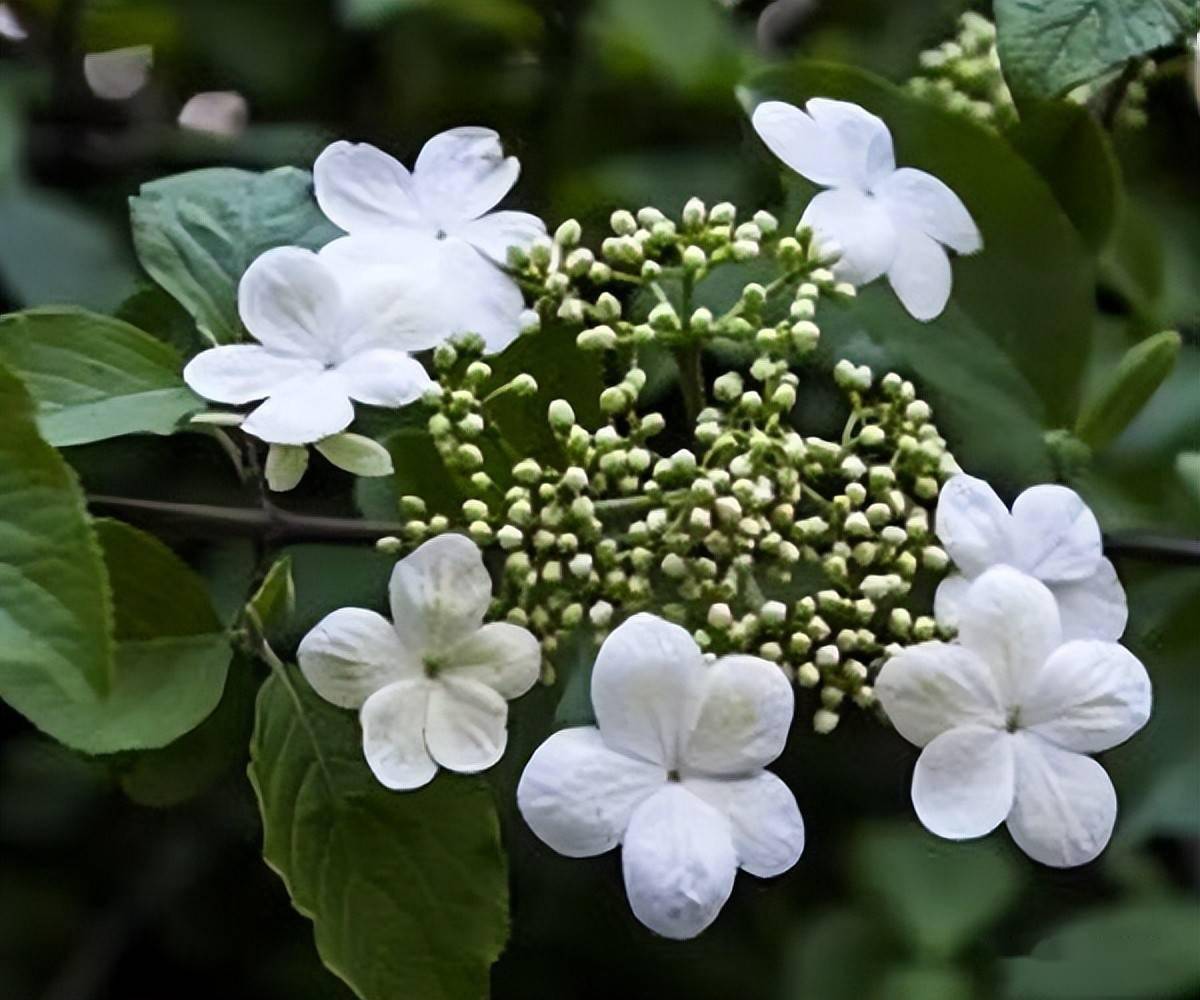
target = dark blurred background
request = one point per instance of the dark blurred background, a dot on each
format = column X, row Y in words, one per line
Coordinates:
column 111, row 891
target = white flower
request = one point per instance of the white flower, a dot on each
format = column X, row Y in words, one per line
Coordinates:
column 1006, row 716
column 673, row 771
column 436, row 221
column 431, row 686
column 321, row 344
column 884, row 220
column 1050, row 534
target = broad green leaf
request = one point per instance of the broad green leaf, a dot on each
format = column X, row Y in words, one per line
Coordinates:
column 196, row 233
column 275, row 599
column 938, row 896
column 1049, row 46
column 408, row 892
column 169, row 663
column 1067, row 146
column 1031, row 287
column 94, row 377
column 1145, row 951
column 55, row 607
column 1120, row 397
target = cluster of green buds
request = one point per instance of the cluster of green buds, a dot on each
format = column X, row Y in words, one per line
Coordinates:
column 756, row 537
column 963, row 75
column 1127, row 90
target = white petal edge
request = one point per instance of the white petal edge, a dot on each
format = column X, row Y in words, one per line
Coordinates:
column 1093, row 608
column 646, row 688
column 963, row 783
column 384, row 377
column 242, row 373
column 797, row 140
column 767, row 829
column 290, row 302
column 494, row 233
column 440, row 593
column 745, row 714
column 949, row 597
column 465, row 725
column 362, row 189
column 303, row 410
column 921, row 276
column 865, row 139
column 925, row 203
column 1010, row 621
column 1055, row 534
column 973, row 525
column 1090, row 696
column 350, row 654
column 505, row 657
column 577, row 795
column 1065, row 808
column 393, row 723
column 859, row 227
column 933, row 687
column 679, row 863
column 462, row 173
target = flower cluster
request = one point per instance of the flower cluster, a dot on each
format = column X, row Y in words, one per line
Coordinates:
column 964, row 75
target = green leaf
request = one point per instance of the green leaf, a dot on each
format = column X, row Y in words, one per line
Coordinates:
column 408, row 892
column 937, row 895
column 1067, row 146
column 1049, row 46
column 94, row 377
column 1031, row 287
column 1138, row 952
column 275, row 599
column 55, row 607
column 1112, row 406
column 196, row 233
column 285, row 466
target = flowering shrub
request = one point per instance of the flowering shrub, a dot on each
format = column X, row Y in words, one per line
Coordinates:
column 654, row 506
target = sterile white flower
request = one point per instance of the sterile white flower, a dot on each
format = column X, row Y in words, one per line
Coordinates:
column 432, row 685
column 673, row 772
column 1051, row 534
column 1007, row 715
column 884, row 220
column 436, row 221
column 321, row 344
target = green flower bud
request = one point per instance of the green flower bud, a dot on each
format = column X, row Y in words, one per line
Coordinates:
column 694, row 213
column 561, row 416
column 723, row 214
column 568, row 234
column 608, row 308
column 824, row 722
column 623, row 223
column 510, row 537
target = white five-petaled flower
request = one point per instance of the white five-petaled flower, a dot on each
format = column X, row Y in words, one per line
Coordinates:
column 323, row 341
column 1007, row 716
column 432, row 686
column 1050, row 534
column 436, row 221
column 673, row 772
column 885, row 220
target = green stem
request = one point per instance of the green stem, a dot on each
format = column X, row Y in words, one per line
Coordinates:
column 691, row 379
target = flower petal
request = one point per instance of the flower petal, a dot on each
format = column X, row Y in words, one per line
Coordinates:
column 384, row 377
column 505, row 657
column 462, row 173
column 1010, row 620
column 303, row 410
column 949, row 597
column 921, row 201
column 1055, row 534
column 920, row 275
column 393, row 724
column 362, row 189
column 1065, row 806
column 963, row 784
column 646, row 689
column 679, row 862
column 865, row 139
column 577, row 795
column 973, row 525
column 935, row 686
column 835, row 144
column 768, row 831
column 745, row 713
column 465, row 728
column 350, row 654
column 440, row 593
column 240, row 373
column 291, row 303
column 1089, row 696
column 494, row 233
column 859, row 226
column 1095, row 607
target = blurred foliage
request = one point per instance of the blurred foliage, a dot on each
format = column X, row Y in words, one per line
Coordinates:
column 1093, row 245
